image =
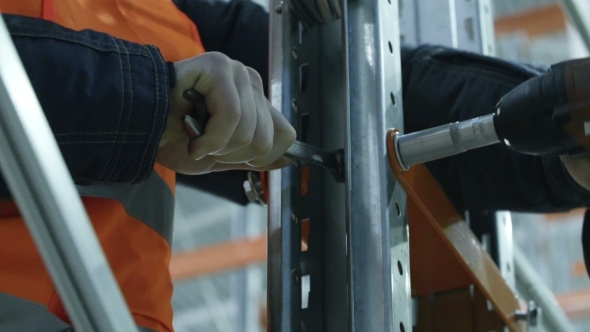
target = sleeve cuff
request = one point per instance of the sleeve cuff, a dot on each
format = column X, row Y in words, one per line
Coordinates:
column 151, row 90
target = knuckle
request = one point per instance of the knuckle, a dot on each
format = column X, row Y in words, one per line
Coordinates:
column 233, row 115
column 239, row 67
column 255, row 78
column 290, row 134
column 243, row 142
column 286, row 134
column 215, row 146
column 219, row 59
column 262, row 147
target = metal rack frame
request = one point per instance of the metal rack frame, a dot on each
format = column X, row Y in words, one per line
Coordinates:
column 340, row 84
column 44, row 191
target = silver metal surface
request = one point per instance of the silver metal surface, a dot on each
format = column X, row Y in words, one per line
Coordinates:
column 505, row 250
column 332, row 161
column 348, row 98
column 194, row 128
column 281, row 292
column 531, row 286
column 315, row 12
column 253, row 189
column 575, row 13
column 380, row 298
column 467, row 25
column 47, row 198
column 475, row 26
column 446, row 140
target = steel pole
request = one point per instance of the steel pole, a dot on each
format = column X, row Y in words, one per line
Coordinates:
column 44, row 191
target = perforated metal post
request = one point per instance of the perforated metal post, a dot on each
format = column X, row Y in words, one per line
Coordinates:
column 339, row 84
column 466, row 25
column 40, row 183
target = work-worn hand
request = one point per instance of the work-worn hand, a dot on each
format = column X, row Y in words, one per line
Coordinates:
column 244, row 131
column 579, row 169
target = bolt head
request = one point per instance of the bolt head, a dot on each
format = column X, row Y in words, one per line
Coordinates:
column 250, row 192
column 295, row 277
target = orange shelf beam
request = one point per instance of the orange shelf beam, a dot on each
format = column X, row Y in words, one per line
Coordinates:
column 537, row 22
column 218, row 258
column 575, row 304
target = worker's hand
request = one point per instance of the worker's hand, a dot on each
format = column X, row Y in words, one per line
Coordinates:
column 579, row 169
column 244, row 131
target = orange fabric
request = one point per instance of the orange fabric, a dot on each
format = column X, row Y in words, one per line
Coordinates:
column 47, row 10
column 139, row 258
column 26, row 8
column 138, row 255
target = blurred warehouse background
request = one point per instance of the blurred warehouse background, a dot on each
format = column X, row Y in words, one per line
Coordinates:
column 219, row 264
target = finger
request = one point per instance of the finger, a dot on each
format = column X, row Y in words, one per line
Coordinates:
column 223, row 104
column 246, row 128
column 284, row 136
column 262, row 141
column 277, row 164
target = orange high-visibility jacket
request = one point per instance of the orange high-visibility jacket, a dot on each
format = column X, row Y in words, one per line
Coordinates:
column 131, row 221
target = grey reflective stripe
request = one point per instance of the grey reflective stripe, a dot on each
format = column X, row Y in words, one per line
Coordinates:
column 151, row 201
column 21, row 315
column 18, row 315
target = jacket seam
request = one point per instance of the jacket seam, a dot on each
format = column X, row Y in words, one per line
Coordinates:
column 156, row 109
column 103, row 142
column 101, row 133
column 100, row 177
column 130, row 110
column 65, row 36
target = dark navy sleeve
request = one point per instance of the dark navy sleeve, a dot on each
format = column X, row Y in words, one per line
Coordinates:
column 106, row 99
column 443, row 85
column 238, row 28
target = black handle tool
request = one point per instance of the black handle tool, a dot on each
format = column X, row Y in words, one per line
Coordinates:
column 196, row 122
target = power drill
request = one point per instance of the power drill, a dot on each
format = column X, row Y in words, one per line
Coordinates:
column 548, row 114
column 545, row 116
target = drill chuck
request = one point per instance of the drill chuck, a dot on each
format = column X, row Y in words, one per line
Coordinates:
column 446, row 140
column 547, row 115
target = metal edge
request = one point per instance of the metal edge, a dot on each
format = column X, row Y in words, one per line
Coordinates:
column 41, row 184
column 370, row 182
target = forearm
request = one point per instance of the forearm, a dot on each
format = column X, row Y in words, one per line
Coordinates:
column 442, row 86
column 106, row 99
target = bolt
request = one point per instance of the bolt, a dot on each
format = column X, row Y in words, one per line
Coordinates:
column 531, row 316
column 279, row 8
column 534, row 314
column 253, row 189
column 250, row 192
column 295, row 277
column 520, row 315
column 294, row 105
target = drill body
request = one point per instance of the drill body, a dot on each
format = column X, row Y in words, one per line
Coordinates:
column 548, row 114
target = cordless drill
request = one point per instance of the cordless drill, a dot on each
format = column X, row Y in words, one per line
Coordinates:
column 544, row 116
column 548, row 114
